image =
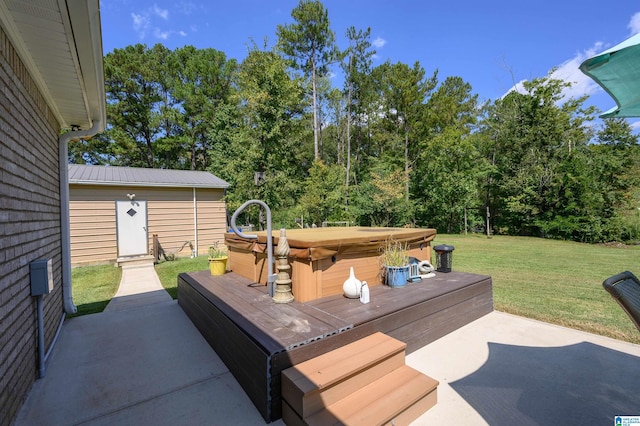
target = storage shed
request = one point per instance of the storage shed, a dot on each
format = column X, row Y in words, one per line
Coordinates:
column 115, row 212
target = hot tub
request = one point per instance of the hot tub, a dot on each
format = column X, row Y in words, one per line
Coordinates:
column 321, row 257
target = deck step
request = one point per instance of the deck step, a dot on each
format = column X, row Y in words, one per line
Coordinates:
column 314, row 384
column 135, row 261
column 362, row 383
column 395, row 399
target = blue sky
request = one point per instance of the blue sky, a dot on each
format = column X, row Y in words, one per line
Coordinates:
column 492, row 44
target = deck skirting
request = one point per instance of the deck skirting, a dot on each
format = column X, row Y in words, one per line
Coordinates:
column 257, row 339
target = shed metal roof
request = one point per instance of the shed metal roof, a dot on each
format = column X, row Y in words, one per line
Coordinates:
column 81, row 174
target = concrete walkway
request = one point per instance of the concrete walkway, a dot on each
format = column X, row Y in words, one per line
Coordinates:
column 142, row 362
column 139, row 286
column 507, row 370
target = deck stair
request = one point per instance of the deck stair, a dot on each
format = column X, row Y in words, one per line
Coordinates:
column 363, row 383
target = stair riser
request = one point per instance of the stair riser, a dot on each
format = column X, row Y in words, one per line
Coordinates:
column 290, row 417
column 380, row 401
column 363, row 383
column 329, row 368
column 415, row 411
column 316, row 401
column 320, row 381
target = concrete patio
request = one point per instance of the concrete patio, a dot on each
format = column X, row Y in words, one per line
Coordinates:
column 145, row 363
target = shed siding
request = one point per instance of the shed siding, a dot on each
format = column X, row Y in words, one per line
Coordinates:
column 30, row 217
column 92, row 230
column 170, row 215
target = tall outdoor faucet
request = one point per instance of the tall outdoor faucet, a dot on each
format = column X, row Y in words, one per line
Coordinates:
column 271, row 277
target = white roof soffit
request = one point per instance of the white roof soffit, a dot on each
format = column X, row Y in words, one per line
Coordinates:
column 60, row 43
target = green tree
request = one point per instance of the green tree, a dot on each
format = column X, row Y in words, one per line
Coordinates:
column 202, row 88
column 531, row 134
column 165, row 108
column 404, row 92
column 449, row 164
column 310, row 44
column 379, row 200
column 335, row 129
column 266, row 137
column 323, row 194
column 617, row 164
column 136, row 88
column 356, row 68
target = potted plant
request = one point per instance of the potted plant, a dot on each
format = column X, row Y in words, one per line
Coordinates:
column 217, row 260
column 395, row 262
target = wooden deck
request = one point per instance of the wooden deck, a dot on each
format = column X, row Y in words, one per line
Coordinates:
column 257, row 338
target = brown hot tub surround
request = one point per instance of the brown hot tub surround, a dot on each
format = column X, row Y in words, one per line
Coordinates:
column 321, row 257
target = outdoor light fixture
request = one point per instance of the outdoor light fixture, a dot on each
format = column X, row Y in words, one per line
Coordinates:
column 443, row 257
column 131, row 196
column 259, row 178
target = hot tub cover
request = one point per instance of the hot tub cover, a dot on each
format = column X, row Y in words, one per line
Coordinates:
column 321, row 243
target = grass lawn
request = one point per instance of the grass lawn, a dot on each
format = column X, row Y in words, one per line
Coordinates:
column 168, row 271
column 559, row 282
column 93, row 287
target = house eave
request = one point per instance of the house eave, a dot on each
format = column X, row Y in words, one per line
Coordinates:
column 67, row 65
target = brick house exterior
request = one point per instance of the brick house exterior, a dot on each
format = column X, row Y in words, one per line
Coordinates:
column 32, row 116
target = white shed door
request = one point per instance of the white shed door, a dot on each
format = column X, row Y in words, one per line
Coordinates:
column 131, row 217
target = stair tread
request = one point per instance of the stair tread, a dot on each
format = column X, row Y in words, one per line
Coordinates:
column 332, row 367
column 312, row 402
column 380, row 401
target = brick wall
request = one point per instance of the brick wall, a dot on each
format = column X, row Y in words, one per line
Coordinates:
column 30, row 225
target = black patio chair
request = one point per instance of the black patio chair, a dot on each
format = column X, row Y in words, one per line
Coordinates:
column 625, row 288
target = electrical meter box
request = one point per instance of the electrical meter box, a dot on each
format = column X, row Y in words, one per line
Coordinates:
column 41, row 277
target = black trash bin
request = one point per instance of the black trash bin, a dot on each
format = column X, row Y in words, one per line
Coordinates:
column 444, row 255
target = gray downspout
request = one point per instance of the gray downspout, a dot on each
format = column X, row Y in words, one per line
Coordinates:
column 194, row 251
column 63, row 145
column 42, row 362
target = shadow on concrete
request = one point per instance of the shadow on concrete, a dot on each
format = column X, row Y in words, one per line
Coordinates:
column 582, row 383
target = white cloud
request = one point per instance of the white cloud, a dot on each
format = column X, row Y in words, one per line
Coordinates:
column 634, row 24
column 518, row 87
column 141, row 23
column 568, row 71
column 162, row 35
column 379, row 42
column 165, row 35
column 144, row 23
column 162, row 13
column 186, row 7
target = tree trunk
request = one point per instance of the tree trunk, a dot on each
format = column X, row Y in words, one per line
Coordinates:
column 316, row 152
column 346, row 201
column 406, row 163
column 149, row 145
